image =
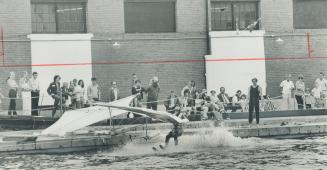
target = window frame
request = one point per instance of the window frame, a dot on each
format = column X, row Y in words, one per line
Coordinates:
column 232, row 3
column 55, row 3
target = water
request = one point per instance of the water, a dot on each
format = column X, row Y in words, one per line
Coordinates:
column 219, row 150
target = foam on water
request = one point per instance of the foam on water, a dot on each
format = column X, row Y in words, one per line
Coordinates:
column 201, row 140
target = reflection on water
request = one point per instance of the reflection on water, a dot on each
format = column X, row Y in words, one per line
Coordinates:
column 219, row 150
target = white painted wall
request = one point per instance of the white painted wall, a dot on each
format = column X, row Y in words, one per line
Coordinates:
column 55, row 49
column 235, row 75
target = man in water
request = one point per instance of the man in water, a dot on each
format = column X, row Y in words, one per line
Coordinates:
column 176, row 132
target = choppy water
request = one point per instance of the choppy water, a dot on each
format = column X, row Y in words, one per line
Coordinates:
column 219, row 150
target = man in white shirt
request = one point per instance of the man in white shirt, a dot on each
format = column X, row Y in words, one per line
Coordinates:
column 93, row 91
column 287, row 88
column 35, row 93
column 321, row 83
column 114, row 92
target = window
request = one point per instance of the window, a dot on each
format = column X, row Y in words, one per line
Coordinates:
column 58, row 17
column 310, row 14
column 149, row 16
column 228, row 15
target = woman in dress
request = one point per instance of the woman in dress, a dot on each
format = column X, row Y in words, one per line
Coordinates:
column 25, row 93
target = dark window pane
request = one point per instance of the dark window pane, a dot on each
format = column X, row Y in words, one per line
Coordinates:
column 58, row 18
column 41, row 14
column 229, row 15
column 149, row 17
column 310, row 14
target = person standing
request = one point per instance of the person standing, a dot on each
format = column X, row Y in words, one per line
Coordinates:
column 134, row 78
column 255, row 94
column 114, row 92
column 299, row 92
column 54, row 91
column 287, row 88
column 322, row 86
column 72, row 91
column 13, row 87
column 153, row 94
column 25, row 93
column 82, row 93
column 35, row 93
column 93, row 91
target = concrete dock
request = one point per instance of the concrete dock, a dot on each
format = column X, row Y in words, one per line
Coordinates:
column 95, row 137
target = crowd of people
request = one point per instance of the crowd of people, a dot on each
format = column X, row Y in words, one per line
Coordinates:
column 305, row 97
column 190, row 101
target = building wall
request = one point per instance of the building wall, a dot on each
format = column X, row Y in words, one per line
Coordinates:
column 291, row 56
column 15, row 19
column 139, row 51
column 276, row 15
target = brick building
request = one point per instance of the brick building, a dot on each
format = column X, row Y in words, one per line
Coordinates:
column 161, row 31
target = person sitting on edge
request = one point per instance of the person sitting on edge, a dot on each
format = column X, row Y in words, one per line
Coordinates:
column 171, row 102
column 224, row 100
column 176, row 132
column 114, row 93
column 255, row 95
column 235, row 100
column 186, row 102
column 244, row 103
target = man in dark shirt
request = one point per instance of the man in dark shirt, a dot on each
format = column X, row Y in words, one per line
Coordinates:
column 153, row 94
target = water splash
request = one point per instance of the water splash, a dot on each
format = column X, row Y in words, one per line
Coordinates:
column 202, row 139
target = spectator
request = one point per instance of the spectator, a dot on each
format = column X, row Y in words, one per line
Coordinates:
column 223, row 97
column 35, row 93
column 72, row 91
column 193, row 89
column 54, row 91
column 287, row 88
column 13, row 87
column 77, row 94
column 244, row 103
column 309, row 99
column 299, row 92
column 82, row 93
column 25, row 93
column 1, row 96
column 134, row 78
column 213, row 96
column 172, row 102
column 235, row 100
column 114, row 92
column 255, row 95
column 93, row 91
column 316, row 93
column 198, row 101
column 153, row 94
column 64, row 96
column 322, row 85
column 187, row 87
column 138, row 90
column 186, row 102
column 321, row 82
